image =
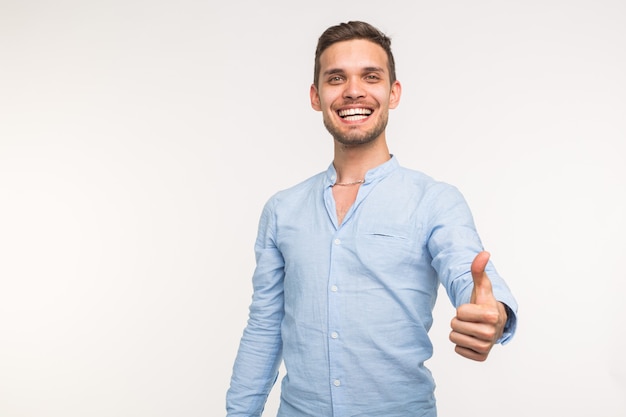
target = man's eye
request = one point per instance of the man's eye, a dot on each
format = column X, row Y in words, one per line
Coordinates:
column 335, row 79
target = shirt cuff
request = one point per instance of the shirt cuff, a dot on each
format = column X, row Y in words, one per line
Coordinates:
column 509, row 327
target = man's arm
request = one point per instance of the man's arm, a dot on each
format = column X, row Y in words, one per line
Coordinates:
column 486, row 309
column 260, row 351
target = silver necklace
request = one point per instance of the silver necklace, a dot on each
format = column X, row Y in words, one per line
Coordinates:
column 343, row 184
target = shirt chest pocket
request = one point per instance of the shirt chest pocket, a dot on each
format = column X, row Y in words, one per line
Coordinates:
column 387, row 247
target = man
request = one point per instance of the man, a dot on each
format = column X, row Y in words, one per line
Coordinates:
column 350, row 260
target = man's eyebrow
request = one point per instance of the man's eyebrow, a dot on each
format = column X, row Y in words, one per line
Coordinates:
column 333, row 71
column 373, row 69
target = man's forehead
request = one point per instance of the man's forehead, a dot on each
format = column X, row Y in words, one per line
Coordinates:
column 355, row 53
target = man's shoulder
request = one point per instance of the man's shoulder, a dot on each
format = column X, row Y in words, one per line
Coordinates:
column 416, row 175
column 415, row 178
column 302, row 188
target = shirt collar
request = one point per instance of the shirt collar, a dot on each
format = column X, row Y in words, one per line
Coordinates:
column 373, row 175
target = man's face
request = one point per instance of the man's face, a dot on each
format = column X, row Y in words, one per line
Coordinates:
column 354, row 92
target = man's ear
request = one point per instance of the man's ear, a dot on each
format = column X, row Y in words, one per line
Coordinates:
column 394, row 96
column 315, row 98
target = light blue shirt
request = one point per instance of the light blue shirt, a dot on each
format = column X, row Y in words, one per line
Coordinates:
column 348, row 307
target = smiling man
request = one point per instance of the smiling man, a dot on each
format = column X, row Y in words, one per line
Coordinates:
column 349, row 262
column 355, row 93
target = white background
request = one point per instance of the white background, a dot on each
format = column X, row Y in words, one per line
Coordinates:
column 139, row 141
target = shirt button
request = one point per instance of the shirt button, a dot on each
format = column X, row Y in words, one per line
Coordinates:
column 334, row 335
column 336, row 382
column 334, row 288
column 337, row 241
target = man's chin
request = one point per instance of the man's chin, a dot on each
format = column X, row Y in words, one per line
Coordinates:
column 351, row 141
column 355, row 136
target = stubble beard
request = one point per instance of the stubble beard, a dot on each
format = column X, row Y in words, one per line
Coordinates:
column 354, row 137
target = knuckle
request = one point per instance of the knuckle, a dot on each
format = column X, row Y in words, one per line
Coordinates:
column 483, row 348
column 491, row 317
column 488, row 333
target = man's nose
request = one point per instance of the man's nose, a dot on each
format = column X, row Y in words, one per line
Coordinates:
column 354, row 89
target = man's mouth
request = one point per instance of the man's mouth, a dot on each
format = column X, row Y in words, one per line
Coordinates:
column 354, row 115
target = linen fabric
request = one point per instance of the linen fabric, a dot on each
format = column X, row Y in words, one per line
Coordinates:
column 348, row 307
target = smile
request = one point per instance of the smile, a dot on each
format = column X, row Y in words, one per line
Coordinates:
column 354, row 114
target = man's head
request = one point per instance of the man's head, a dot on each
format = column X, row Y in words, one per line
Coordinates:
column 355, row 84
column 349, row 31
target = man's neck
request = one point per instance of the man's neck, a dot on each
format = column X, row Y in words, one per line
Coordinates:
column 353, row 162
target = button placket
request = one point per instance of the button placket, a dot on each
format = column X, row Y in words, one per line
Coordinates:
column 335, row 345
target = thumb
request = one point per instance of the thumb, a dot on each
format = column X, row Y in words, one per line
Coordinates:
column 482, row 292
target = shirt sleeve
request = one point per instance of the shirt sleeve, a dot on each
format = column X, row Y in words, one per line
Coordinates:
column 260, row 351
column 453, row 244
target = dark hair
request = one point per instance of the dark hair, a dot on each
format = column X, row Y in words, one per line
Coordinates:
column 349, row 31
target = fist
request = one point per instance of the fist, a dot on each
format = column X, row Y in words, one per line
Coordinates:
column 479, row 324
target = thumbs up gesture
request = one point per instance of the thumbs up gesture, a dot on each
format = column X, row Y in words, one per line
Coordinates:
column 480, row 323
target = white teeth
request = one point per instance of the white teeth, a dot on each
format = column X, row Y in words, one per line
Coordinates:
column 355, row 117
column 354, row 112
